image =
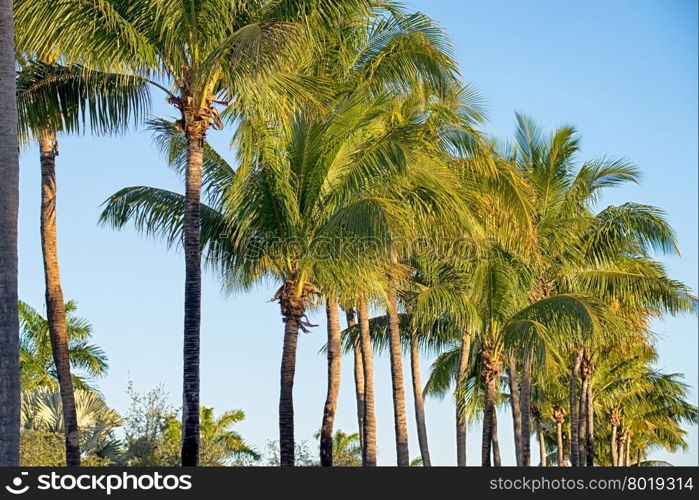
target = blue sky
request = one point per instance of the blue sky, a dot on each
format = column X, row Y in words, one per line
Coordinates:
column 624, row 73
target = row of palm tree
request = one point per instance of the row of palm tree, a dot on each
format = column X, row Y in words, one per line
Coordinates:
column 362, row 182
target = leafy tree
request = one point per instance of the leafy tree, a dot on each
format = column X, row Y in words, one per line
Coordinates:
column 36, row 358
column 42, row 411
column 143, row 425
column 220, row 444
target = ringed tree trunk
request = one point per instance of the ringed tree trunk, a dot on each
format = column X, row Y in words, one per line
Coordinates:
column 400, row 420
column 582, row 422
column 55, row 303
column 497, row 462
column 334, row 366
column 572, row 401
column 515, row 404
column 489, row 372
column 293, row 297
column 358, row 377
column 369, row 451
column 621, row 447
column 9, row 203
column 627, row 450
column 615, row 422
column 588, row 369
column 464, row 354
column 541, row 438
column 526, row 410
column 195, row 133
column 419, row 402
column 559, row 417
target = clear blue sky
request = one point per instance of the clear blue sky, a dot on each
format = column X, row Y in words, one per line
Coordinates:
column 623, row 72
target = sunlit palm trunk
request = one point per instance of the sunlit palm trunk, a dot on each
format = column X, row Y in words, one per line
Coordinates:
column 615, row 421
column 369, row 453
column 192, row 295
column 559, row 444
column 572, row 401
column 488, row 411
column 559, row 417
column 9, row 202
column 515, row 405
column 489, row 372
column 400, row 420
column 590, row 425
column 464, row 354
column 419, row 402
column 55, row 303
column 497, row 461
column 334, row 366
column 358, row 378
column 525, row 403
column 582, row 422
column 286, row 398
column 542, row 442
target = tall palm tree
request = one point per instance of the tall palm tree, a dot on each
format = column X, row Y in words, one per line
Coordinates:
column 52, row 98
column 271, row 203
column 9, row 194
column 206, row 54
column 370, row 57
column 37, row 366
column 602, row 255
column 334, row 348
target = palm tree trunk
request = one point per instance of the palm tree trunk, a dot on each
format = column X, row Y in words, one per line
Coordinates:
column 464, row 354
column 334, row 366
column 515, row 404
column 286, row 396
column 358, row 378
column 9, row 203
column 627, row 451
column 525, row 395
column 612, row 446
column 559, row 444
column 399, row 416
column 192, row 295
column 488, row 412
column 497, row 462
column 574, row 440
column 369, row 454
column 542, row 443
column 590, row 426
column 55, row 304
column 419, row 402
column 582, row 422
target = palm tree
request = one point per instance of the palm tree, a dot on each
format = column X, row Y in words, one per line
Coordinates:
column 384, row 43
column 207, row 54
column 36, row 362
column 41, row 410
column 334, row 363
column 220, row 444
column 9, row 194
column 603, row 255
column 347, row 449
column 266, row 206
